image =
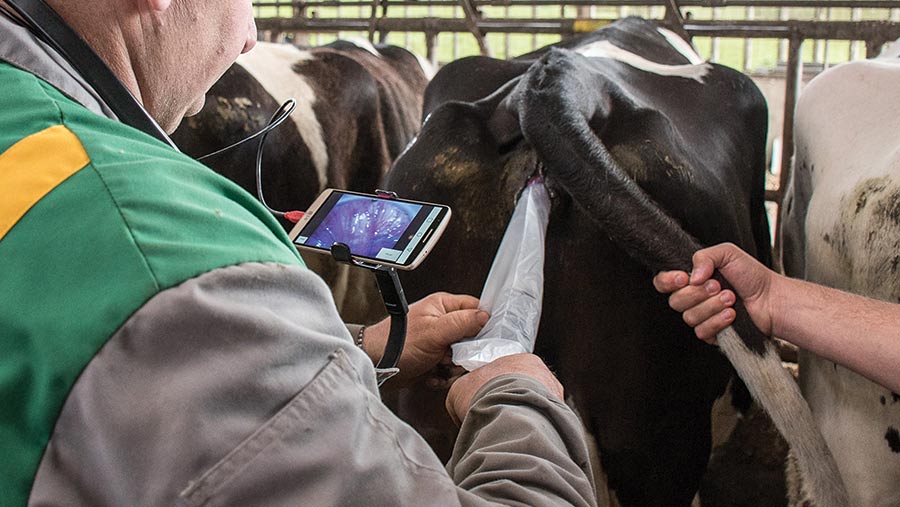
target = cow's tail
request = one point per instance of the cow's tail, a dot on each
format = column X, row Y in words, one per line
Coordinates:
column 777, row 391
column 556, row 108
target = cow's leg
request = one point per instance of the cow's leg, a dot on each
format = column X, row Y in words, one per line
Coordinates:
column 643, row 385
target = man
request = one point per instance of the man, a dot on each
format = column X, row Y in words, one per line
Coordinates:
column 855, row 331
column 161, row 342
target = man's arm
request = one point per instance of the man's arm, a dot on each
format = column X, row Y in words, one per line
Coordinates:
column 243, row 387
column 518, row 443
column 860, row 333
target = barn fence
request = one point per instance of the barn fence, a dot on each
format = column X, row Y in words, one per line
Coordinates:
column 790, row 39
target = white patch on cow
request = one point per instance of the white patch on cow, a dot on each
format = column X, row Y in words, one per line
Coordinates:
column 606, row 49
column 849, row 413
column 427, row 68
column 272, row 66
column 845, row 196
column 891, row 51
column 364, row 44
column 681, row 45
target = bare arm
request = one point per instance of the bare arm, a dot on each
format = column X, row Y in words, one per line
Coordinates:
column 860, row 333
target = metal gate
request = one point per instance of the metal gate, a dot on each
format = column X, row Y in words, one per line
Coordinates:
column 759, row 37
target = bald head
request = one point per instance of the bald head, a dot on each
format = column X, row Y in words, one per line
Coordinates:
column 168, row 53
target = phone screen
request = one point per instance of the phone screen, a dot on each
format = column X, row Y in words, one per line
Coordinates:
column 375, row 228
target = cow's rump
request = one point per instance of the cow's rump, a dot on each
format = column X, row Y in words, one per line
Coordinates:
column 649, row 153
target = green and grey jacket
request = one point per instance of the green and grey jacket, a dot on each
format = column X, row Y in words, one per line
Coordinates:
column 161, row 342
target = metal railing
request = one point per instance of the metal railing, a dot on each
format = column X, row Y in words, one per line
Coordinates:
column 473, row 21
column 840, row 30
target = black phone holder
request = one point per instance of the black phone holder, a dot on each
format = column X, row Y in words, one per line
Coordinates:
column 391, row 293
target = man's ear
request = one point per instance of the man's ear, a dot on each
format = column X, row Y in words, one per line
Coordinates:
column 158, row 5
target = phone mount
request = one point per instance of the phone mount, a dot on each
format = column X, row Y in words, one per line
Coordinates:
column 391, row 293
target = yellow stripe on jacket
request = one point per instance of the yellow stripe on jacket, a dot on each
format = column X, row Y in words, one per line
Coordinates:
column 33, row 167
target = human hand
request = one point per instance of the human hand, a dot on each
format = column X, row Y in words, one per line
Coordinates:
column 704, row 305
column 459, row 399
column 434, row 323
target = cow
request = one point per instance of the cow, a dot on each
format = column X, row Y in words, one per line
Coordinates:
column 841, row 228
column 644, row 147
column 357, row 108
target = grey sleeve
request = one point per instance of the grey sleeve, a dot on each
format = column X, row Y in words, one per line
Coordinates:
column 519, row 446
column 239, row 387
column 353, row 329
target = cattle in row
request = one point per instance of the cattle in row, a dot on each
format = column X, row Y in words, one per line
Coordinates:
column 841, row 228
column 649, row 152
column 357, row 108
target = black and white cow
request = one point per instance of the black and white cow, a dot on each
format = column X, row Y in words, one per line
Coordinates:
column 357, row 108
column 841, row 228
column 645, row 147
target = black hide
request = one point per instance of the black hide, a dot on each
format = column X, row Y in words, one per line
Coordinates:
column 640, row 164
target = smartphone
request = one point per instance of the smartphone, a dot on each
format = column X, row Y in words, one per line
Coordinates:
column 379, row 229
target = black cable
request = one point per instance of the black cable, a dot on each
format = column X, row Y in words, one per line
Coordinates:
column 281, row 114
column 275, row 121
column 49, row 27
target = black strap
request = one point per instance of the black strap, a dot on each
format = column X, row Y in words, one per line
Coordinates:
column 47, row 26
column 394, row 302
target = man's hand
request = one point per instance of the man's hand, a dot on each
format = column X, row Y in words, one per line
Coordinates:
column 703, row 303
column 459, row 399
column 434, row 323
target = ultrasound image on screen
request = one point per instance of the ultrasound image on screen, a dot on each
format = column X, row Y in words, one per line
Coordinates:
column 370, row 227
